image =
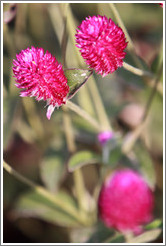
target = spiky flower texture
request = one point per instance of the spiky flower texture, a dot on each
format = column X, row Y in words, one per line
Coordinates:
column 101, row 43
column 126, row 202
column 41, row 76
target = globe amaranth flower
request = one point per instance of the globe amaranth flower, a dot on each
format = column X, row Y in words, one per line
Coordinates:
column 125, row 202
column 101, row 43
column 41, row 76
column 104, row 137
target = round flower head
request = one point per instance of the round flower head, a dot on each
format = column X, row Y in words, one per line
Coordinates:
column 101, row 44
column 104, row 137
column 41, row 76
column 125, row 201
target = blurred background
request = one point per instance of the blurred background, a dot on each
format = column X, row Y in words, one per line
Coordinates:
column 37, row 148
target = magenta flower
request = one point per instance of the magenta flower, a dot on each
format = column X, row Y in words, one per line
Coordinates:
column 125, row 201
column 104, row 137
column 161, row 4
column 101, row 44
column 40, row 76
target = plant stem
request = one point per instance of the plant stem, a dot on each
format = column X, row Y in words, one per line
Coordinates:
column 133, row 136
column 121, row 24
column 100, row 110
column 65, row 36
column 79, row 186
column 68, row 131
column 130, row 42
column 42, row 191
column 18, row 176
column 83, row 114
column 102, row 116
column 130, row 47
column 137, row 71
column 153, row 92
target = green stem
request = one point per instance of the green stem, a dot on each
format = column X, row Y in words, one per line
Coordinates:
column 68, row 131
column 100, row 110
column 18, row 176
column 121, row 24
column 65, row 36
column 137, row 71
column 133, row 136
column 130, row 47
column 83, row 114
column 102, row 116
column 153, row 92
column 42, row 191
column 130, row 42
column 79, row 186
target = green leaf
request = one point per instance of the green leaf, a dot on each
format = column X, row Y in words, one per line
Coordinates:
column 154, row 224
column 76, row 78
column 115, row 155
column 35, row 205
column 146, row 164
column 82, row 158
column 51, row 170
column 100, row 234
column 103, row 234
column 119, row 238
column 147, row 236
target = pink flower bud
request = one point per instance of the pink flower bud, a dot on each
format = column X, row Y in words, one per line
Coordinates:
column 125, row 201
column 104, row 137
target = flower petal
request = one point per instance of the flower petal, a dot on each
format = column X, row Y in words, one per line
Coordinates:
column 50, row 110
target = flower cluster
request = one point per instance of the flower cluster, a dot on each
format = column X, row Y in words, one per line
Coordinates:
column 125, row 201
column 101, row 43
column 41, row 76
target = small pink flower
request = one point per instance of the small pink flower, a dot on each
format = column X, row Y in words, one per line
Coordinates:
column 125, row 201
column 101, row 44
column 40, row 76
column 104, row 137
column 161, row 4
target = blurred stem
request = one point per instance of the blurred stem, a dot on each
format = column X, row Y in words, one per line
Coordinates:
column 137, row 71
column 46, row 194
column 18, row 176
column 153, row 92
column 33, row 118
column 68, row 131
column 121, row 24
column 143, row 73
column 65, row 36
column 103, row 118
column 77, row 174
column 133, row 136
column 128, row 237
column 100, row 110
column 130, row 46
column 83, row 114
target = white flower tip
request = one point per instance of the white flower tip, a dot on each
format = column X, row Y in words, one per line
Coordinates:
column 50, row 110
